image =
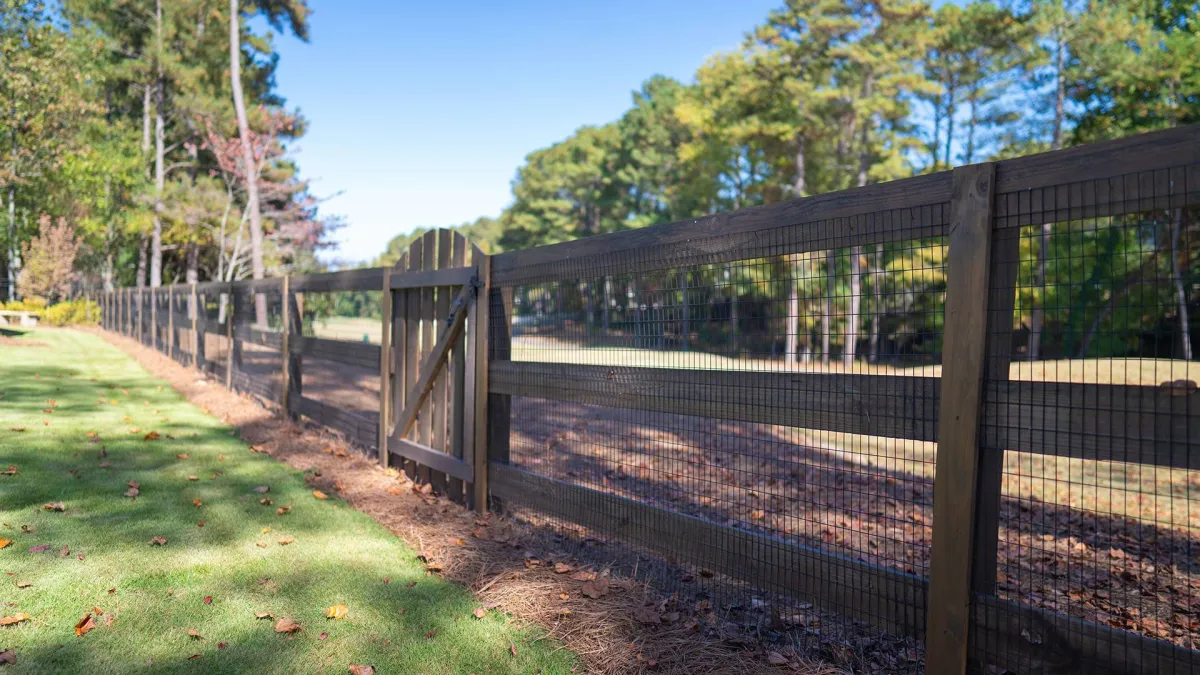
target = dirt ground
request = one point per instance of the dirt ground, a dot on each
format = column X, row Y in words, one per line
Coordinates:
column 518, row 569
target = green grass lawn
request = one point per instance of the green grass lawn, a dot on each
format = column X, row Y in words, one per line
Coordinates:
column 211, row 579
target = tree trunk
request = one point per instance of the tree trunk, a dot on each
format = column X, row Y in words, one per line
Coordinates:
column 686, row 329
column 257, row 267
column 850, row 349
column 14, row 251
column 792, row 267
column 827, row 315
column 604, row 311
column 877, row 303
column 1180, row 293
column 159, row 185
column 1037, row 317
column 141, row 264
column 146, row 118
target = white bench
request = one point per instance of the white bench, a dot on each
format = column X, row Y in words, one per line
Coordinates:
column 12, row 317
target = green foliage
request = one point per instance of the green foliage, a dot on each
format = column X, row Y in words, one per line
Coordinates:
column 32, row 303
column 79, row 312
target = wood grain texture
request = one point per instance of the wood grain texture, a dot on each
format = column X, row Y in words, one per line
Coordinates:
column 347, row 280
column 385, row 365
column 457, row 415
column 412, row 343
column 955, row 483
column 424, row 419
column 436, row 460
column 454, row 276
column 476, row 436
column 439, row 401
column 877, row 405
column 431, row 368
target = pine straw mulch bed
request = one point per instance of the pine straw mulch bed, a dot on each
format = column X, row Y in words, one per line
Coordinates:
column 625, row 628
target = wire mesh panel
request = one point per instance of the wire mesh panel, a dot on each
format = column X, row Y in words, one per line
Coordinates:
column 1099, row 511
column 257, row 355
column 780, row 405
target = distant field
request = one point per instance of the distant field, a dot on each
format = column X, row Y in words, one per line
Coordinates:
column 352, row 329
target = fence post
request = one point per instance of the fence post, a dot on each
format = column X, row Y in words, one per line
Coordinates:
column 497, row 347
column 956, row 481
column 477, row 370
column 385, row 367
column 229, row 338
column 292, row 383
column 194, row 310
column 153, row 318
column 171, row 321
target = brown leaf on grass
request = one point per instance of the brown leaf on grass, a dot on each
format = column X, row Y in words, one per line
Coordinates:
column 322, row 636
column 208, row 599
column 512, row 648
column 64, row 551
column 283, row 510
column 54, row 506
column 195, row 634
column 563, row 596
column 480, row 612
column 361, row 670
column 112, row 591
column 193, row 476
column 17, row 429
column 24, row 584
column 14, row 619
column 108, row 619
column 5, row 543
column 134, row 484
column 40, row 548
column 158, row 541
column 200, row 523
column 262, row 489
column 286, row 625
column 337, row 612
column 647, row 615
column 182, row 455
column 84, row 625
column 197, row 502
column 10, row 471
column 561, row 568
column 260, row 544
column 430, row 635
column 286, row 540
column 596, row 588
column 8, row 657
column 320, row 495
column 222, row 645
column 264, row 615
column 265, row 502
column 195, row 657
column 132, row 492
column 152, row 436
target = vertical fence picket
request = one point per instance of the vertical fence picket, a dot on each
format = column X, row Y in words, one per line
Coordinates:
column 412, row 342
column 456, row 373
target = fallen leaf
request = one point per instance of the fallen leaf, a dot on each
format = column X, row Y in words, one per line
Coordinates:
column 39, row 549
column 195, row 634
column 17, row 429
column 85, row 624
column 193, row 477
column 260, row 544
column 264, row 615
column 583, row 575
column 320, row 495
column 8, row 657
column 132, row 492
column 5, row 543
column 108, row 619
column 561, row 568
column 222, row 645
column 286, row 625
column 283, row 509
column 195, row 657
column 14, row 619
column 430, row 634
column 200, row 524
column 24, row 584
column 10, row 471
column 112, row 591
column 480, row 612
column 362, row 670
column 776, row 659
column 208, row 599
column 262, row 489
column 182, row 455
column 284, row 541
column 65, row 551
column 647, row 615
column 597, row 588
column 158, row 541
column 322, row 636
column 265, row 530
column 337, row 612
column 564, row 596
column 152, row 436
column 512, row 648
column 411, row 584
column 54, row 506
column 198, row 503
column 265, row 502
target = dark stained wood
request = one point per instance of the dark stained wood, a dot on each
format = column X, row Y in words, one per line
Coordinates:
column 287, row 355
column 498, row 344
column 347, row 280
column 457, row 418
column 424, row 429
column 194, row 311
column 230, row 350
column 362, row 354
column 877, row 405
column 385, row 366
column 475, row 440
column 886, row 598
column 436, row 460
column 956, row 475
column 454, row 276
column 431, row 367
column 247, row 333
column 439, row 402
column 412, row 356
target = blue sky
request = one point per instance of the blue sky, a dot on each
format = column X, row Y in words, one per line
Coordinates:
column 420, row 112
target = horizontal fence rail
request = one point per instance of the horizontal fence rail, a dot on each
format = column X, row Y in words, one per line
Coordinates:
column 827, row 415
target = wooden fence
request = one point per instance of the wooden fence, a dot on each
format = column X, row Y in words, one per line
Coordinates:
column 442, row 351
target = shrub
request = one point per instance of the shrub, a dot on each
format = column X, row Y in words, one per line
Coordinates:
column 30, row 304
column 73, row 313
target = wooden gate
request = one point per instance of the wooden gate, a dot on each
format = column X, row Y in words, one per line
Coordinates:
column 434, row 367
